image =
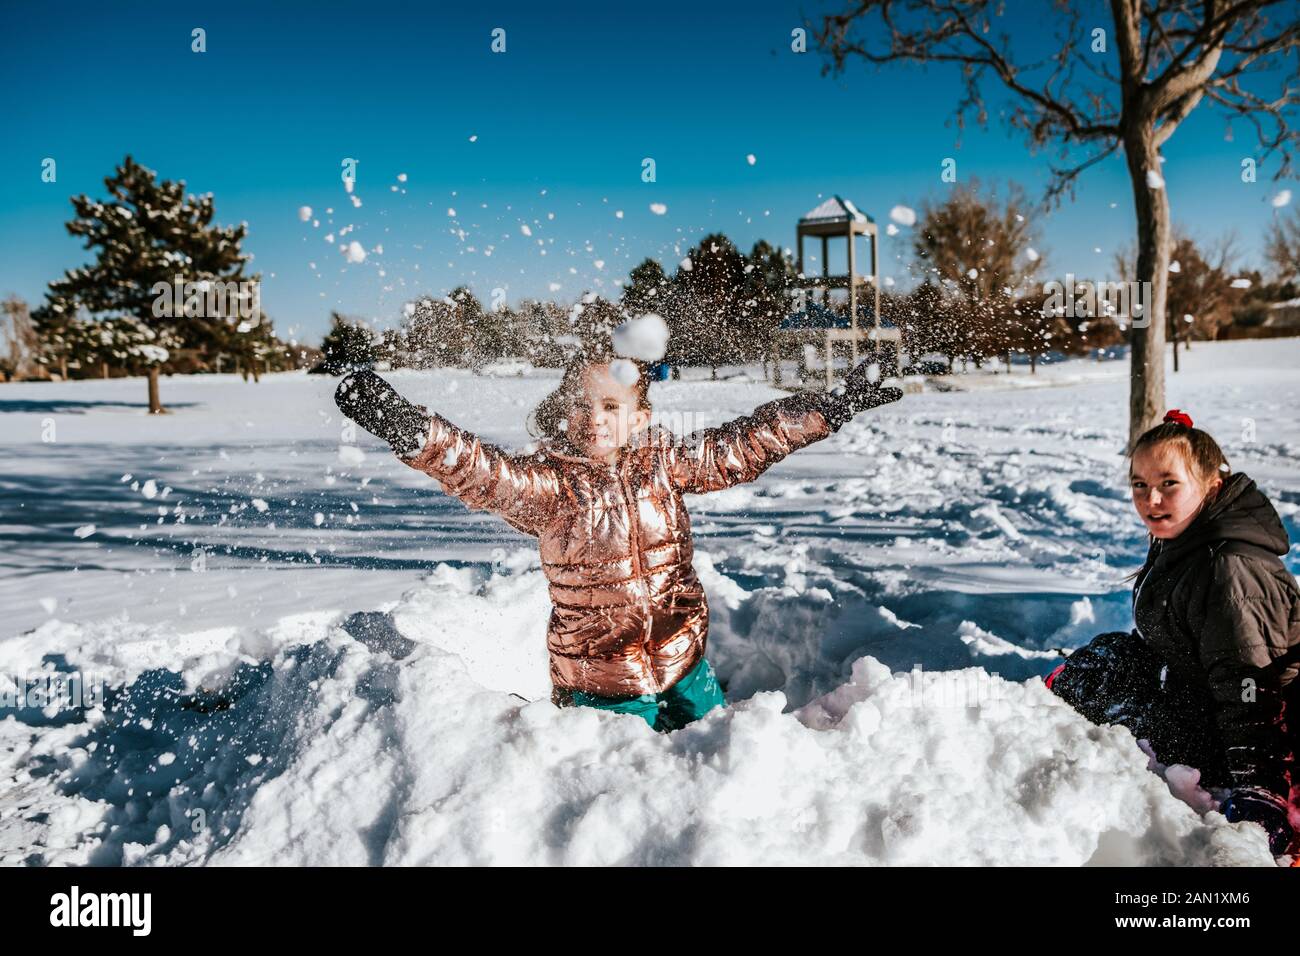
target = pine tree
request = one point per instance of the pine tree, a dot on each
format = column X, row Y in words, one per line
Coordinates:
column 347, row 345
column 646, row 287
column 148, row 233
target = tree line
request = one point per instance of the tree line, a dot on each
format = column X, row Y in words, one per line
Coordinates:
column 981, row 290
column 978, row 292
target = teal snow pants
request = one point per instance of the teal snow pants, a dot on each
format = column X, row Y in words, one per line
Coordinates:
column 689, row 699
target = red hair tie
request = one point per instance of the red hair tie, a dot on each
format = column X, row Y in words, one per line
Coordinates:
column 1182, row 418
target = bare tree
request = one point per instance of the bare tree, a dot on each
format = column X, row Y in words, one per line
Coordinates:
column 1168, row 56
column 1202, row 295
column 978, row 248
column 1283, row 246
column 19, row 344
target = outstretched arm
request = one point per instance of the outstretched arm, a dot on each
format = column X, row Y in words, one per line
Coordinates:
column 523, row 491
column 742, row 449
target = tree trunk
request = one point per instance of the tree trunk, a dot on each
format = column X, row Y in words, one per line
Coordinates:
column 1175, row 345
column 1033, row 363
column 155, row 405
column 103, row 369
column 63, row 367
column 1147, row 359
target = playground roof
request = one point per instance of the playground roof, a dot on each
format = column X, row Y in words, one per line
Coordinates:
column 836, row 209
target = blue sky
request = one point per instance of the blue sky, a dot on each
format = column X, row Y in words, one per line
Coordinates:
column 563, row 120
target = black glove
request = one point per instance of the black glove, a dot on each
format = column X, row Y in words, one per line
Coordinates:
column 857, row 394
column 372, row 403
column 1257, row 805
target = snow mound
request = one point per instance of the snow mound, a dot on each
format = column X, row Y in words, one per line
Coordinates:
column 409, row 737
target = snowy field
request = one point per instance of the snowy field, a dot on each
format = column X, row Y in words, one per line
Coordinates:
column 314, row 656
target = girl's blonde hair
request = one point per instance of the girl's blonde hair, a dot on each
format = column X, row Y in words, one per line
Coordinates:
column 1201, row 452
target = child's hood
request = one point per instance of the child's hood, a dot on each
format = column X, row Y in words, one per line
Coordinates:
column 1240, row 512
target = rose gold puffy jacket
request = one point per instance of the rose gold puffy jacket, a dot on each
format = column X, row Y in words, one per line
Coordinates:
column 628, row 613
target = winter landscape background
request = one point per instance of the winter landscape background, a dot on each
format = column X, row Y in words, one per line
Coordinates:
column 309, row 654
column 248, row 588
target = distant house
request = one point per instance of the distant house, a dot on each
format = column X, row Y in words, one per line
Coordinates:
column 1284, row 317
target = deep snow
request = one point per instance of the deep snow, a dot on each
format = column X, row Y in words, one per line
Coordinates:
column 315, row 656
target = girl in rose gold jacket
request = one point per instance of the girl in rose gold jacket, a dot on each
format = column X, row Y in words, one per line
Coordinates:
column 603, row 496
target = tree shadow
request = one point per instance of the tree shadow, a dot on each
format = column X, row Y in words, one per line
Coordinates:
column 174, row 765
column 69, row 406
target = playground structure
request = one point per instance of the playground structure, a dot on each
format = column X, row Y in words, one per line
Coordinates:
column 830, row 325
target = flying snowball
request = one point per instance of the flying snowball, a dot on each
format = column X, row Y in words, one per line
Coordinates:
column 624, row 372
column 353, row 251
column 903, row 215
column 644, row 338
column 1031, row 254
column 1283, row 198
column 658, row 208
column 1155, row 180
column 304, row 213
column 751, row 159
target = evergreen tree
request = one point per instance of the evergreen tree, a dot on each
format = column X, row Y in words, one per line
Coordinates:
column 646, row 289
column 146, row 234
column 347, row 345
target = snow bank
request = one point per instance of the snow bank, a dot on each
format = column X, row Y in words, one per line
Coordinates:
column 309, row 745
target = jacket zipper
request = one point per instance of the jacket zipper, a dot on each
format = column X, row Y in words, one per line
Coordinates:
column 634, row 529
column 1137, row 595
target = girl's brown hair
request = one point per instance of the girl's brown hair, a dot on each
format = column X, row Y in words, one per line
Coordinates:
column 551, row 416
column 1200, row 451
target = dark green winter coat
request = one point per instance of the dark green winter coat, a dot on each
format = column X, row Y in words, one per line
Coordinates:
column 1220, row 608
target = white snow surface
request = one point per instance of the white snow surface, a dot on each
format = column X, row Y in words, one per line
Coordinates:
column 313, row 656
